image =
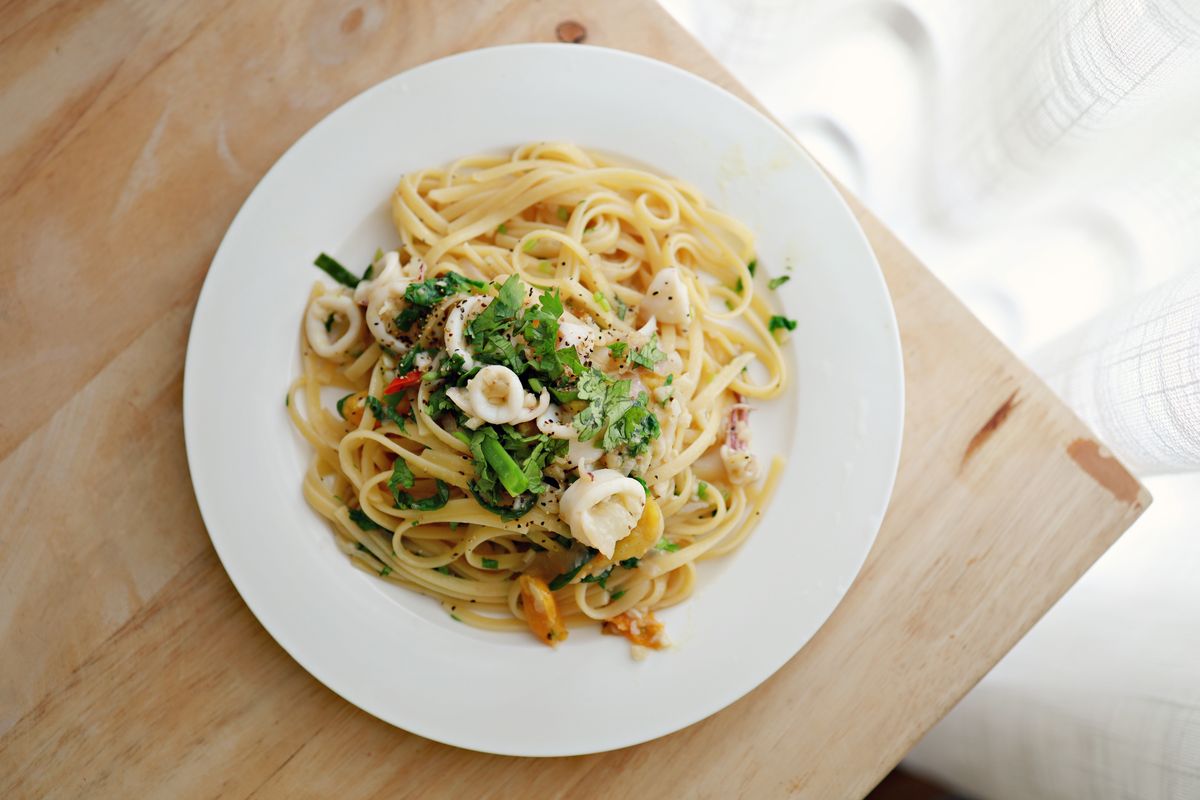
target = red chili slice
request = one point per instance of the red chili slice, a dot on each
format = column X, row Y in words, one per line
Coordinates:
column 403, row 382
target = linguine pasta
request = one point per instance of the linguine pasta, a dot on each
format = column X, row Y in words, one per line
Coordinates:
column 541, row 414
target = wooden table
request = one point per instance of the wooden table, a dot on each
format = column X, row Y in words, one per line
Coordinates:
column 132, row 133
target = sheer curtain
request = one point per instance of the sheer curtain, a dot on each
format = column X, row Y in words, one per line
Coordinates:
column 1043, row 158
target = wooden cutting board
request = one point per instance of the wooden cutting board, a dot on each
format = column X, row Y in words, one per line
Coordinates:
column 132, row 133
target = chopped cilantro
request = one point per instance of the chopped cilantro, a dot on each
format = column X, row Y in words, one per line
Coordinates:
column 401, row 476
column 629, row 563
column 435, row 501
column 600, row 578
column 329, row 321
column 663, row 544
column 445, row 570
column 569, row 358
column 648, row 354
column 360, row 518
column 775, row 283
column 568, row 576
column 753, row 265
column 336, row 271
column 617, row 595
column 670, row 379
column 510, row 465
column 491, row 563
column 645, row 488
column 385, row 410
column 739, row 286
column 778, row 322
column 626, row 421
column 341, row 405
column 489, row 331
column 383, row 573
column 409, row 362
column 618, row 349
column 622, row 309
column 501, row 228
column 426, row 294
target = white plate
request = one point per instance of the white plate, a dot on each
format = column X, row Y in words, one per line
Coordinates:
column 398, row 655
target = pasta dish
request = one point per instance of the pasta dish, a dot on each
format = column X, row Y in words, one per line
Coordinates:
column 536, row 408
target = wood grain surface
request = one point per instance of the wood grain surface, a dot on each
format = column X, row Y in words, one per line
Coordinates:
column 132, row 131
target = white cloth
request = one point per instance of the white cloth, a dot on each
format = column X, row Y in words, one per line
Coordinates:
column 1133, row 374
column 1043, row 158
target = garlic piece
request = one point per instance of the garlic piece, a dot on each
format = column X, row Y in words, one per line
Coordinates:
column 667, row 298
column 314, row 325
column 602, row 507
column 740, row 465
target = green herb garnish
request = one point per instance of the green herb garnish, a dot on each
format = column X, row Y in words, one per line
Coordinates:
column 385, row 410
column 360, row 518
column 775, row 283
column 617, row 595
column 629, row 563
column 336, row 271
column 663, row 544
column 777, row 322
column 490, row 563
column 423, row 296
column 510, row 474
column 600, row 578
column 753, row 265
column 648, row 354
column 435, row 501
column 567, row 577
column 401, row 476
column 622, row 309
